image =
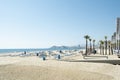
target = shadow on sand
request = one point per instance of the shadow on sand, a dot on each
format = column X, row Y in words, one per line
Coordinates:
column 96, row 59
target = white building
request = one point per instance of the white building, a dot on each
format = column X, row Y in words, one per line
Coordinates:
column 118, row 34
column 115, row 39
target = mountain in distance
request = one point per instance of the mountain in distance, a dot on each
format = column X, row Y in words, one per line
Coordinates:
column 66, row 47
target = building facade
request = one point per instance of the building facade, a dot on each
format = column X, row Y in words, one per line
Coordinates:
column 116, row 36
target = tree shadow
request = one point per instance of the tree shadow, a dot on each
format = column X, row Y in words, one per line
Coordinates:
column 114, row 62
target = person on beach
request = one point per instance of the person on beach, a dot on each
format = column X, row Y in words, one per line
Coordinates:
column 44, row 58
column 58, row 56
column 25, row 52
column 60, row 51
column 37, row 54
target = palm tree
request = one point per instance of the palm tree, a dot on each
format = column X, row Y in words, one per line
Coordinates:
column 93, row 44
column 105, row 45
column 102, row 46
column 90, row 45
column 112, row 48
column 86, row 37
column 109, row 44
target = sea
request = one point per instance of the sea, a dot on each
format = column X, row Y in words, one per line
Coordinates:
column 18, row 50
column 28, row 50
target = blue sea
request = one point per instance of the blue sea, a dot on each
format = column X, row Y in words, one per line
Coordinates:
column 27, row 50
column 18, row 50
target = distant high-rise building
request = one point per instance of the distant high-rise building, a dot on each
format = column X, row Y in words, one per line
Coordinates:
column 115, row 39
column 118, row 34
column 118, row 26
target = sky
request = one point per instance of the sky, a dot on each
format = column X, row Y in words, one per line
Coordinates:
column 44, row 23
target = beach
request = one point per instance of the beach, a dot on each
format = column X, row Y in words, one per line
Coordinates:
column 67, row 68
column 60, row 40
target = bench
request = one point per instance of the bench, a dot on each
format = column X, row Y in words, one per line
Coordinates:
column 86, row 56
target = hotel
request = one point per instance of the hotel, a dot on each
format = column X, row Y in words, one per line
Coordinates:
column 116, row 36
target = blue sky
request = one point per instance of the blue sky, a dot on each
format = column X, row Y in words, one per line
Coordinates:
column 44, row 23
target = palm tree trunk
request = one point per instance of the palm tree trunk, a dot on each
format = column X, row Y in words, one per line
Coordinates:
column 109, row 49
column 105, row 47
column 93, row 47
column 100, row 49
column 90, row 47
column 86, row 47
column 103, row 50
column 112, row 50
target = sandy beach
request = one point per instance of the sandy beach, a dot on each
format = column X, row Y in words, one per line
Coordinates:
column 67, row 68
column 60, row 40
